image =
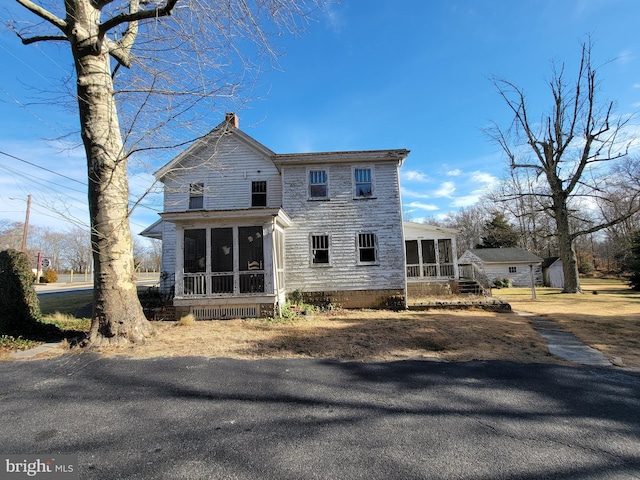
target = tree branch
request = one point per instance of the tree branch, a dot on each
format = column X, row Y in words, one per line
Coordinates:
column 44, row 14
column 41, row 38
column 136, row 16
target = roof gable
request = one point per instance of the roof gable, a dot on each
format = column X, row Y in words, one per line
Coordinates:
column 223, row 129
column 547, row 262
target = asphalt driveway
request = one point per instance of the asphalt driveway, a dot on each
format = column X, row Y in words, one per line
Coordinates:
column 196, row 418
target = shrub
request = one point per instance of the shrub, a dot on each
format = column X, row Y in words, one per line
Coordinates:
column 49, row 276
column 295, row 297
column 502, row 283
column 585, row 268
column 187, row 320
column 19, row 307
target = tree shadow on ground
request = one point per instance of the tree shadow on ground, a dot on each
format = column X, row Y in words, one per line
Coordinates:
column 199, row 418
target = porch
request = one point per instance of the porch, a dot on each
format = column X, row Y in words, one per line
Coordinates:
column 229, row 264
column 431, row 260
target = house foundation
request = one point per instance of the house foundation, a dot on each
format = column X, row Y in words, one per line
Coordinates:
column 393, row 299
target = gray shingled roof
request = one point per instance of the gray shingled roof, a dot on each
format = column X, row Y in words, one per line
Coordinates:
column 505, row 255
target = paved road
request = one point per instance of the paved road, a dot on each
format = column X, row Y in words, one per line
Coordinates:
column 196, row 418
column 56, row 288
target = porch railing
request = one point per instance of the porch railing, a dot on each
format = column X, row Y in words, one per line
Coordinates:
column 202, row 284
column 251, row 282
column 447, row 270
column 431, row 270
column 194, row 284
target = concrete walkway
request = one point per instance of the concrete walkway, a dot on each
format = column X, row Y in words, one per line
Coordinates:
column 564, row 344
column 32, row 352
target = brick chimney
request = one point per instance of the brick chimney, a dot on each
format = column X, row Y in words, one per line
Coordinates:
column 231, row 119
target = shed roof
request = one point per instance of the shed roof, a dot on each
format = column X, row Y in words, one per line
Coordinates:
column 505, row 255
column 547, row 262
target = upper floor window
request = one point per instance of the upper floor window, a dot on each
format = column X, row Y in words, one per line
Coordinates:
column 513, row 270
column 317, row 184
column 259, row 193
column 367, row 248
column 196, row 196
column 363, row 182
column 320, row 249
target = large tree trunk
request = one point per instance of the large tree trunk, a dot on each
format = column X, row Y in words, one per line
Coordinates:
column 117, row 314
column 566, row 250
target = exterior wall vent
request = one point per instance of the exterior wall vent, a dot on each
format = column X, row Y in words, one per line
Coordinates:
column 225, row 313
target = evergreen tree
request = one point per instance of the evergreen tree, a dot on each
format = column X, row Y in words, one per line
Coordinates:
column 634, row 263
column 499, row 233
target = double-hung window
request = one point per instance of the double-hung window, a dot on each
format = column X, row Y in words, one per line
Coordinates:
column 367, row 248
column 317, row 184
column 259, row 193
column 320, row 249
column 513, row 270
column 196, row 196
column 363, row 181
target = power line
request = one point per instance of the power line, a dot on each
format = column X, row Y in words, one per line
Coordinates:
column 42, row 168
column 33, row 179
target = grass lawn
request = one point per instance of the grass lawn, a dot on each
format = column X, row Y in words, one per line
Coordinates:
column 606, row 316
column 608, row 321
column 68, row 303
column 60, row 310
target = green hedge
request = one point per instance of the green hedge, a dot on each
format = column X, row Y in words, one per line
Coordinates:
column 19, row 307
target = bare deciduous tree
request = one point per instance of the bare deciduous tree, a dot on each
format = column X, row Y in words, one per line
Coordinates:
column 171, row 58
column 570, row 151
column 469, row 221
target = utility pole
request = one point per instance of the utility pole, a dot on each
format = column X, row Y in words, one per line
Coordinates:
column 26, row 225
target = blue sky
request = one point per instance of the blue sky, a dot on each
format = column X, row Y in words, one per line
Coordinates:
column 368, row 74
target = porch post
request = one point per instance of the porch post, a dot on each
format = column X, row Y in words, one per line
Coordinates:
column 236, row 261
column 420, row 259
column 436, row 245
column 179, row 286
column 454, row 248
column 208, row 280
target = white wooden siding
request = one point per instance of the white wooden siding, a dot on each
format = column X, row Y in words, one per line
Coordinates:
column 521, row 277
column 168, row 256
column 226, row 167
column 343, row 217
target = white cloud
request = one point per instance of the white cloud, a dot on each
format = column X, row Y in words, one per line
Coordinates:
column 446, row 190
column 454, row 173
column 483, row 177
column 423, row 206
column 337, row 21
column 625, row 57
column 413, row 194
column 466, row 201
column 415, row 176
column 417, row 219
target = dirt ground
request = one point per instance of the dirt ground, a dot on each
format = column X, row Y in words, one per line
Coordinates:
column 606, row 316
column 361, row 335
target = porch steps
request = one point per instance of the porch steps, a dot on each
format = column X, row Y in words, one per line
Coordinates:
column 470, row 287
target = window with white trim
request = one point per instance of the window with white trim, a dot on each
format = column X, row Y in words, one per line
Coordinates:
column 367, row 248
column 513, row 270
column 259, row 193
column 196, row 196
column 317, row 184
column 320, row 249
column 363, row 180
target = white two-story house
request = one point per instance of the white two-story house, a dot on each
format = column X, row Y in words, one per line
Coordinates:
column 242, row 226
